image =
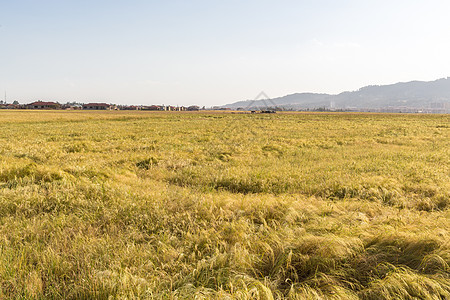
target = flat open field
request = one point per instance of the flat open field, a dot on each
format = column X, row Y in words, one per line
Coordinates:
column 221, row 205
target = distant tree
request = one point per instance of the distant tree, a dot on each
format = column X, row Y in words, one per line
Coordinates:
column 15, row 102
column 193, row 108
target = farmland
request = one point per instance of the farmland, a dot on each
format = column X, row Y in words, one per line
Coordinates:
column 222, row 205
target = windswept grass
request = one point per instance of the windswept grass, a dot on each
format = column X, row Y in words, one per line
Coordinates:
column 224, row 206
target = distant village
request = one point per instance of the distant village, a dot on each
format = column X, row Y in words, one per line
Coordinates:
column 105, row 106
column 94, row 106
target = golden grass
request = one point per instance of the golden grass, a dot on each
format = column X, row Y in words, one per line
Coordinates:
column 224, row 206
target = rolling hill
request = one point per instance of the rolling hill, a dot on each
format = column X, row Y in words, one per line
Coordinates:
column 414, row 95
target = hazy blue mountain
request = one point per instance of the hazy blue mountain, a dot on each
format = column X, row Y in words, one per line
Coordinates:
column 414, row 94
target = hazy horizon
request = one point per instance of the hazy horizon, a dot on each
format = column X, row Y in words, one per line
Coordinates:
column 213, row 53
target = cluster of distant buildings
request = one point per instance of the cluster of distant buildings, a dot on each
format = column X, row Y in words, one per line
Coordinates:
column 94, row 106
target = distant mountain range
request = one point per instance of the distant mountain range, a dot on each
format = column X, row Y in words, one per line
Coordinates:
column 432, row 96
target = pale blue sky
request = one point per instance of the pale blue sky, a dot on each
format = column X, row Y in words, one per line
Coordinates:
column 215, row 52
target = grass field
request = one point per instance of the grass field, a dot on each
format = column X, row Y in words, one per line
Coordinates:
column 219, row 205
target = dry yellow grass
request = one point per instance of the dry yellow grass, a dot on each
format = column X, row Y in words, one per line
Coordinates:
column 237, row 206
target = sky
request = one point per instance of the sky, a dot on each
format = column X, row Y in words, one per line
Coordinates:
column 215, row 52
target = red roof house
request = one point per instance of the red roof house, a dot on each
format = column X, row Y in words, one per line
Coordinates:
column 43, row 105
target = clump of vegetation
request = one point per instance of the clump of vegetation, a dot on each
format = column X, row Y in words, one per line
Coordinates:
column 179, row 206
column 147, row 163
